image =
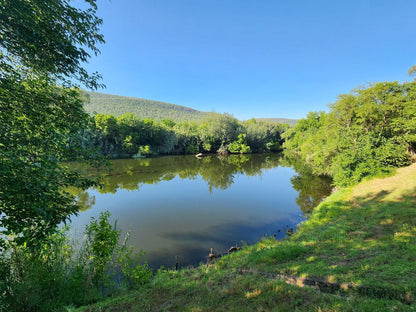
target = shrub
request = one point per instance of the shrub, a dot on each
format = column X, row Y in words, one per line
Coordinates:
column 56, row 274
column 240, row 146
column 144, row 151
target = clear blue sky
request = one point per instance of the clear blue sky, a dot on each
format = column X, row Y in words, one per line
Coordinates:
column 253, row 58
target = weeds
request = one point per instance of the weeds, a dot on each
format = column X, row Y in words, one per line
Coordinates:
column 57, row 275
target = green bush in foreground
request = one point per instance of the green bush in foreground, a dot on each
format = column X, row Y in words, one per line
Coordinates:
column 57, row 274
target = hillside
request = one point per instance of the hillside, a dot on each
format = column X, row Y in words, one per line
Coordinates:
column 116, row 105
column 290, row 122
column 109, row 104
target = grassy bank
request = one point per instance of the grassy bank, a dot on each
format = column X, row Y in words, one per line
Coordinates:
column 356, row 252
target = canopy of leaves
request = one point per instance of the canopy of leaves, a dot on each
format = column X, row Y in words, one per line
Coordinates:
column 50, row 37
column 41, row 42
column 366, row 133
column 127, row 136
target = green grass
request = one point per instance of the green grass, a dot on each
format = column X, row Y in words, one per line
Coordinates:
column 364, row 237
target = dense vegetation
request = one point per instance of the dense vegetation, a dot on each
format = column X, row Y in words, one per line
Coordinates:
column 42, row 48
column 366, row 133
column 108, row 104
column 127, row 136
column 59, row 273
column 42, row 43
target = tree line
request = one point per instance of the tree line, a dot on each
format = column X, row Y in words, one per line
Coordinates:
column 366, row 133
column 128, row 136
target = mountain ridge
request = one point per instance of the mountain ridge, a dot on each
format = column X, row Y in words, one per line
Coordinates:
column 117, row 105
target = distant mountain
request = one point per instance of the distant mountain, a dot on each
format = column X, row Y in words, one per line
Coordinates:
column 291, row 122
column 109, row 104
column 116, row 105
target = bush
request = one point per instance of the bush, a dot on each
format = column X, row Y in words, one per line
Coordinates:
column 56, row 274
column 240, row 146
column 144, row 151
column 45, row 279
column 192, row 149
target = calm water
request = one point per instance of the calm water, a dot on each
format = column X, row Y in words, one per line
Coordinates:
column 183, row 206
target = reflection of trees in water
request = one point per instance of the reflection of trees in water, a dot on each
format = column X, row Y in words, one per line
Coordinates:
column 312, row 188
column 217, row 171
column 82, row 198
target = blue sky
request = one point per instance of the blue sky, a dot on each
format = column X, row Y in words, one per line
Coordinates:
column 253, row 58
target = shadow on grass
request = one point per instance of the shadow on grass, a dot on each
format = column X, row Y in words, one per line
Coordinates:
column 366, row 241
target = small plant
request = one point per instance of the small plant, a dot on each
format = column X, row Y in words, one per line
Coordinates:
column 102, row 240
column 108, row 258
column 135, row 274
column 240, row 146
column 207, row 146
column 144, row 151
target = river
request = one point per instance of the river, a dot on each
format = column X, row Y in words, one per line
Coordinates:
column 179, row 207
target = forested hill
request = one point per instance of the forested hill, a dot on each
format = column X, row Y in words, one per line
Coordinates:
column 116, row 105
column 290, row 122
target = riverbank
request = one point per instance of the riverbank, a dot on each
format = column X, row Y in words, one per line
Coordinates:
column 356, row 252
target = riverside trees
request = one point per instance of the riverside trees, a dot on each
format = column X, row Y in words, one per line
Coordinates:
column 42, row 43
column 366, row 133
column 127, row 136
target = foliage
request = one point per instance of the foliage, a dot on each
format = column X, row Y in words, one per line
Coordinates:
column 45, row 279
column 264, row 136
column 37, row 123
column 50, row 38
column 116, row 105
column 367, row 133
column 57, row 274
column 240, row 146
column 128, row 136
column 144, row 150
column 42, row 43
column 412, row 70
column 101, row 243
column 136, row 272
column 289, row 122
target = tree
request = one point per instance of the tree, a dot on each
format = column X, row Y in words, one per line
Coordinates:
column 51, row 38
column 412, row 70
column 219, row 130
column 367, row 132
column 239, row 146
column 41, row 42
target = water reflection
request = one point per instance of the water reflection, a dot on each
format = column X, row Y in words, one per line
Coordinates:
column 312, row 188
column 217, row 171
column 183, row 206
